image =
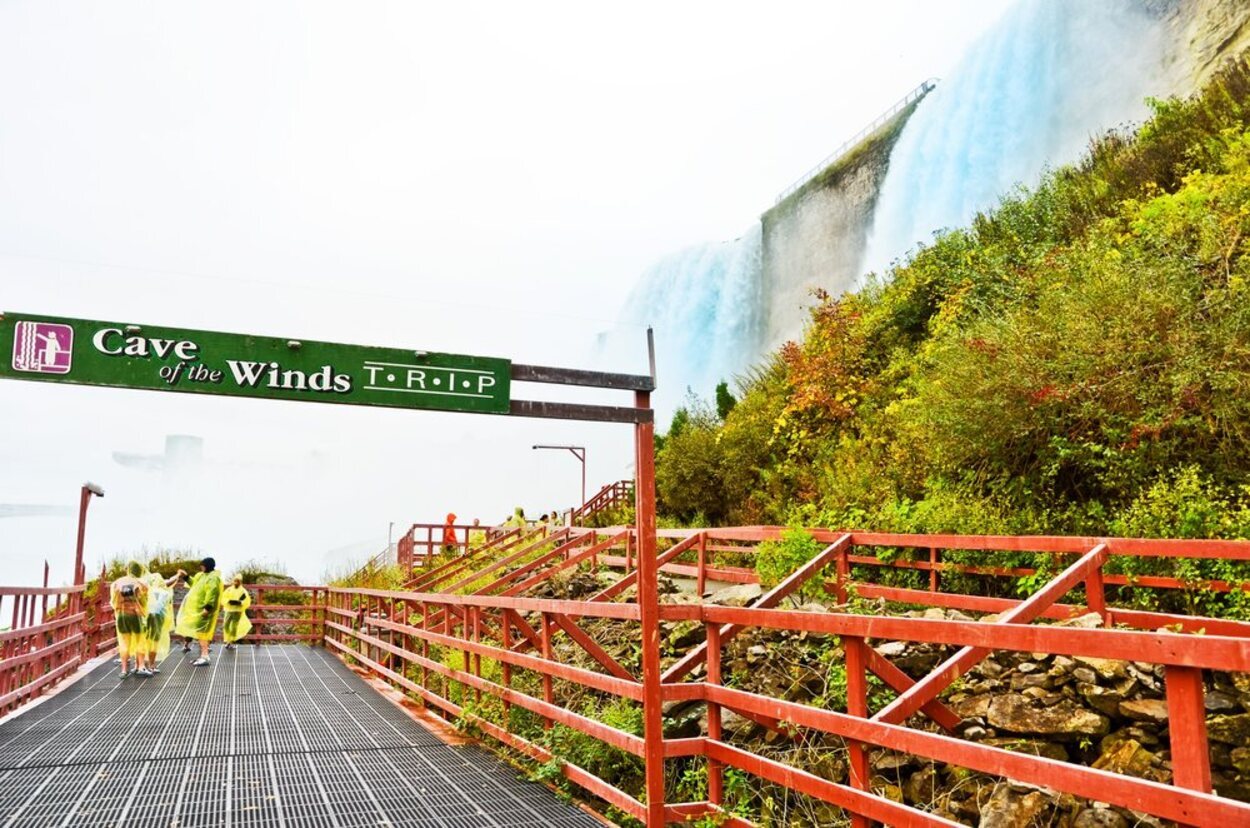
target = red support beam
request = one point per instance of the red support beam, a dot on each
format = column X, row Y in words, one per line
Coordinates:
column 769, row 599
column 928, row 688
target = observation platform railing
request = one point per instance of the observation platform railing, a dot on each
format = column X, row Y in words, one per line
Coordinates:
column 435, row 645
column 612, row 496
column 467, row 642
column 52, row 631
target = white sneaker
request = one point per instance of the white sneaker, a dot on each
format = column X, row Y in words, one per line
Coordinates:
column 199, row 662
column 143, row 672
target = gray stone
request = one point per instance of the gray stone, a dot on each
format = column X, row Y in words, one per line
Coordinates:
column 1102, row 699
column 1217, row 702
column 1089, row 621
column 1008, row 809
column 1239, row 758
column 738, row 595
column 1100, row 818
column 1086, row 675
column 1105, row 667
column 1128, row 757
column 1064, row 720
column 1034, row 747
column 1145, row 710
column 890, row 649
column 1019, row 682
column 1043, row 696
column 1231, row 730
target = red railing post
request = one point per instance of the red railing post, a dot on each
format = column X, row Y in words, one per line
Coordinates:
column 506, row 640
column 1187, row 729
column 649, row 615
column 857, row 705
column 701, row 580
column 1095, row 594
column 842, row 574
column 934, row 576
column 548, row 689
column 715, row 770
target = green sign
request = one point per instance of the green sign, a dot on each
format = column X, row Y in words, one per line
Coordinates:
column 122, row 355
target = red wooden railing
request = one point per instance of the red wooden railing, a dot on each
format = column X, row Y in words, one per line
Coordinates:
column 489, row 656
column 612, row 496
column 409, row 638
column 424, row 541
column 51, row 632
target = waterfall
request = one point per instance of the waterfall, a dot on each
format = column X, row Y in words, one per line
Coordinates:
column 706, row 305
column 1027, row 96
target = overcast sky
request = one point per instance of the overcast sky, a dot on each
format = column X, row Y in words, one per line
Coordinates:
column 469, row 177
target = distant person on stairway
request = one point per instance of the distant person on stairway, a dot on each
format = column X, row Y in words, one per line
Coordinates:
column 197, row 617
column 518, row 519
column 160, row 618
column 450, row 542
column 128, row 596
column 234, row 601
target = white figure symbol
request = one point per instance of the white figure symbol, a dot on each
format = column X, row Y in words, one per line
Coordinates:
column 51, row 348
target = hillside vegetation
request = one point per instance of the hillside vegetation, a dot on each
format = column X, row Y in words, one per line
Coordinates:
column 1075, row 361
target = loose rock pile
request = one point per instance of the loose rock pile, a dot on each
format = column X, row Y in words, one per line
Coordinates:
column 1106, row 714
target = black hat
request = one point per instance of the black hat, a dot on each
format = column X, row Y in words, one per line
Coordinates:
column 209, row 564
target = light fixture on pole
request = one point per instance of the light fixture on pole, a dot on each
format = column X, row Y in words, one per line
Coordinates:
column 88, row 489
column 580, row 453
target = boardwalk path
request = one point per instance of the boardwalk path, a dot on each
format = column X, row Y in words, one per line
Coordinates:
column 264, row 736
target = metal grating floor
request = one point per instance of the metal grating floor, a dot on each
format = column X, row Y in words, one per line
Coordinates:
column 265, row 736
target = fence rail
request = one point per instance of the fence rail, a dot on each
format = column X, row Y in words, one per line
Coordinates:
column 489, row 658
column 610, row 497
column 461, row 654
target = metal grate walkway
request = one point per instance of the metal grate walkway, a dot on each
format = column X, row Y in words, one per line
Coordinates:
column 265, row 736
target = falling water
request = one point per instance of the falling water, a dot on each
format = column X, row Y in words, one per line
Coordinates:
column 706, row 306
column 1028, row 95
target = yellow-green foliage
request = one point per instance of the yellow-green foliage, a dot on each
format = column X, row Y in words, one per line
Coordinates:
column 1041, row 371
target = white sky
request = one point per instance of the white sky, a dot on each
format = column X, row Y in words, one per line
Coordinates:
column 482, row 178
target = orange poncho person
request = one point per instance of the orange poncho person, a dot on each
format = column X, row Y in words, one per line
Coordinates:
column 450, row 542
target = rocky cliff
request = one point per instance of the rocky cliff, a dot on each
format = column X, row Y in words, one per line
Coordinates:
column 815, row 237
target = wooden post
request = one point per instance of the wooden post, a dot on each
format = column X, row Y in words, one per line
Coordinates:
column 857, row 705
column 548, row 690
column 1095, row 594
column 715, row 770
column 649, row 614
column 701, row 585
column 1187, row 729
column 506, row 640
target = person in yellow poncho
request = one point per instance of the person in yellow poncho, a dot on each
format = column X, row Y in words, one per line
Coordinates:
column 197, row 617
column 160, row 618
column 234, row 601
column 128, row 596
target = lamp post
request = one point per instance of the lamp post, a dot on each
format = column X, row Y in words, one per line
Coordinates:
column 88, row 489
column 580, row 453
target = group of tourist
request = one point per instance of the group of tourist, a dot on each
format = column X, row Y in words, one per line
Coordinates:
column 142, row 604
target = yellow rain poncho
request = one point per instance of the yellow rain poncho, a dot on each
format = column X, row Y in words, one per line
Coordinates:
column 128, row 596
column 234, row 602
column 197, row 617
column 160, row 620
